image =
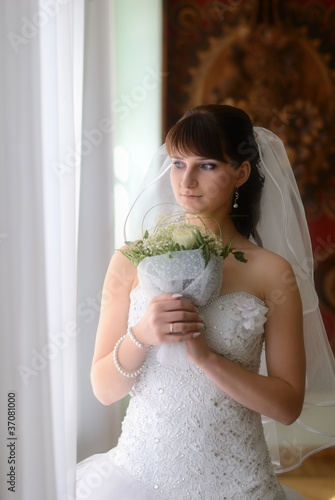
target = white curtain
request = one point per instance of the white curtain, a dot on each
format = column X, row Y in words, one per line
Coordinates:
column 122, row 53
column 56, row 124
column 40, row 51
column 98, row 425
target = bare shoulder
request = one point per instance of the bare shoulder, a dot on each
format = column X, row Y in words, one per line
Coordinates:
column 263, row 272
column 265, row 260
column 273, row 271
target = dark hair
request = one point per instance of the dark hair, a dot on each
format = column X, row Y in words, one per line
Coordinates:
column 213, row 131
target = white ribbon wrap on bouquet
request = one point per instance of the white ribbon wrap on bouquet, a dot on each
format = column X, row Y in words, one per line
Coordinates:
column 181, row 272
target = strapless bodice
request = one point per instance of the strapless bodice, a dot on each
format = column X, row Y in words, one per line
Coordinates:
column 183, row 436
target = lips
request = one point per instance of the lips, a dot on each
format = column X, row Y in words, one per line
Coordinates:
column 191, row 196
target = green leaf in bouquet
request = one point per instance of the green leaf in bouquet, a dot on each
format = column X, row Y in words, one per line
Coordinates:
column 171, row 247
column 198, row 237
column 239, row 256
column 226, row 250
column 206, row 254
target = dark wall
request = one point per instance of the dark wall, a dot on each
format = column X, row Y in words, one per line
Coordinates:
column 276, row 60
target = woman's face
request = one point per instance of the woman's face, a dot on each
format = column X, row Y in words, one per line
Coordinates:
column 204, row 186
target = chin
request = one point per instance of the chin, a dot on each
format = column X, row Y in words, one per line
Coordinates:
column 191, row 206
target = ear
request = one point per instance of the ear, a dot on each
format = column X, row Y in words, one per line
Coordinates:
column 243, row 174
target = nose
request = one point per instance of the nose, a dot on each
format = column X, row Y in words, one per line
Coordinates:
column 189, row 178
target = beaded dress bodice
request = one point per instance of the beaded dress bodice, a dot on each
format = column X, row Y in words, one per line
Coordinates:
column 183, row 437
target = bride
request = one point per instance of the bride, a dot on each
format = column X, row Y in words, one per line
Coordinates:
column 201, row 414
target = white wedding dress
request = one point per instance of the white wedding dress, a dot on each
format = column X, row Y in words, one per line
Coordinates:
column 183, row 438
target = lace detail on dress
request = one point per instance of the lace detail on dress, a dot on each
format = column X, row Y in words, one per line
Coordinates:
column 235, row 327
column 183, row 437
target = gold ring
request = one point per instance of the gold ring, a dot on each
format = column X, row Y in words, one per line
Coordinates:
column 171, row 328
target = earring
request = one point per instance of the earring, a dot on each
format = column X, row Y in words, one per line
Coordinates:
column 235, row 204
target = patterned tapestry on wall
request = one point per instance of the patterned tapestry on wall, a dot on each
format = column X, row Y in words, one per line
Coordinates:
column 276, row 60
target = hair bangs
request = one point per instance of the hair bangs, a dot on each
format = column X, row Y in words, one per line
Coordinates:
column 196, row 136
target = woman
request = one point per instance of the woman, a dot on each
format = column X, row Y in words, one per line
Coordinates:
column 193, row 428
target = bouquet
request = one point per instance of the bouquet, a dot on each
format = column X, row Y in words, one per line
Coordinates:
column 180, row 257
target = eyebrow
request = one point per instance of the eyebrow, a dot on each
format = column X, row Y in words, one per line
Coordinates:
column 201, row 158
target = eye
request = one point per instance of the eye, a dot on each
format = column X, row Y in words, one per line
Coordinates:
column 208, row 166
column 178, row 164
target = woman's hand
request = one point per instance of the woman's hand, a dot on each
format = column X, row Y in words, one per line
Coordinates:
column 168, row 318
column 198, row 350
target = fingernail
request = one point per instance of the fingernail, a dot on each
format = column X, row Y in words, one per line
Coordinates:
column 200, row 325
column 201, row 317
column 176, row 295
column 196, row 334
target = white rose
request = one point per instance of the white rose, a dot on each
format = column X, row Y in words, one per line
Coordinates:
column 184, row 236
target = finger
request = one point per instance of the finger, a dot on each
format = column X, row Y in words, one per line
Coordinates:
column 176, row 328
column 178, row 338
column 166, row 296
column 175, row 300
column 183, row 316
column 180, row 305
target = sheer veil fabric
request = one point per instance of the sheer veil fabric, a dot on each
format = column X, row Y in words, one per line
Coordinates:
column 282, row 228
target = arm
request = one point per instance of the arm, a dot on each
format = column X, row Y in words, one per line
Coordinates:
column 280, row 394
column 109, row 385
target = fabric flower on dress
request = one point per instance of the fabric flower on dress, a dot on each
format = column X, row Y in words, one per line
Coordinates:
column 248, row 310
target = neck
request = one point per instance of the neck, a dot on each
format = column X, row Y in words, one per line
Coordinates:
column 222, row 226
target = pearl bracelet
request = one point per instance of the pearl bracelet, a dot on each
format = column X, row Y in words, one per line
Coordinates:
column 117, row 364
column 134, row 339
